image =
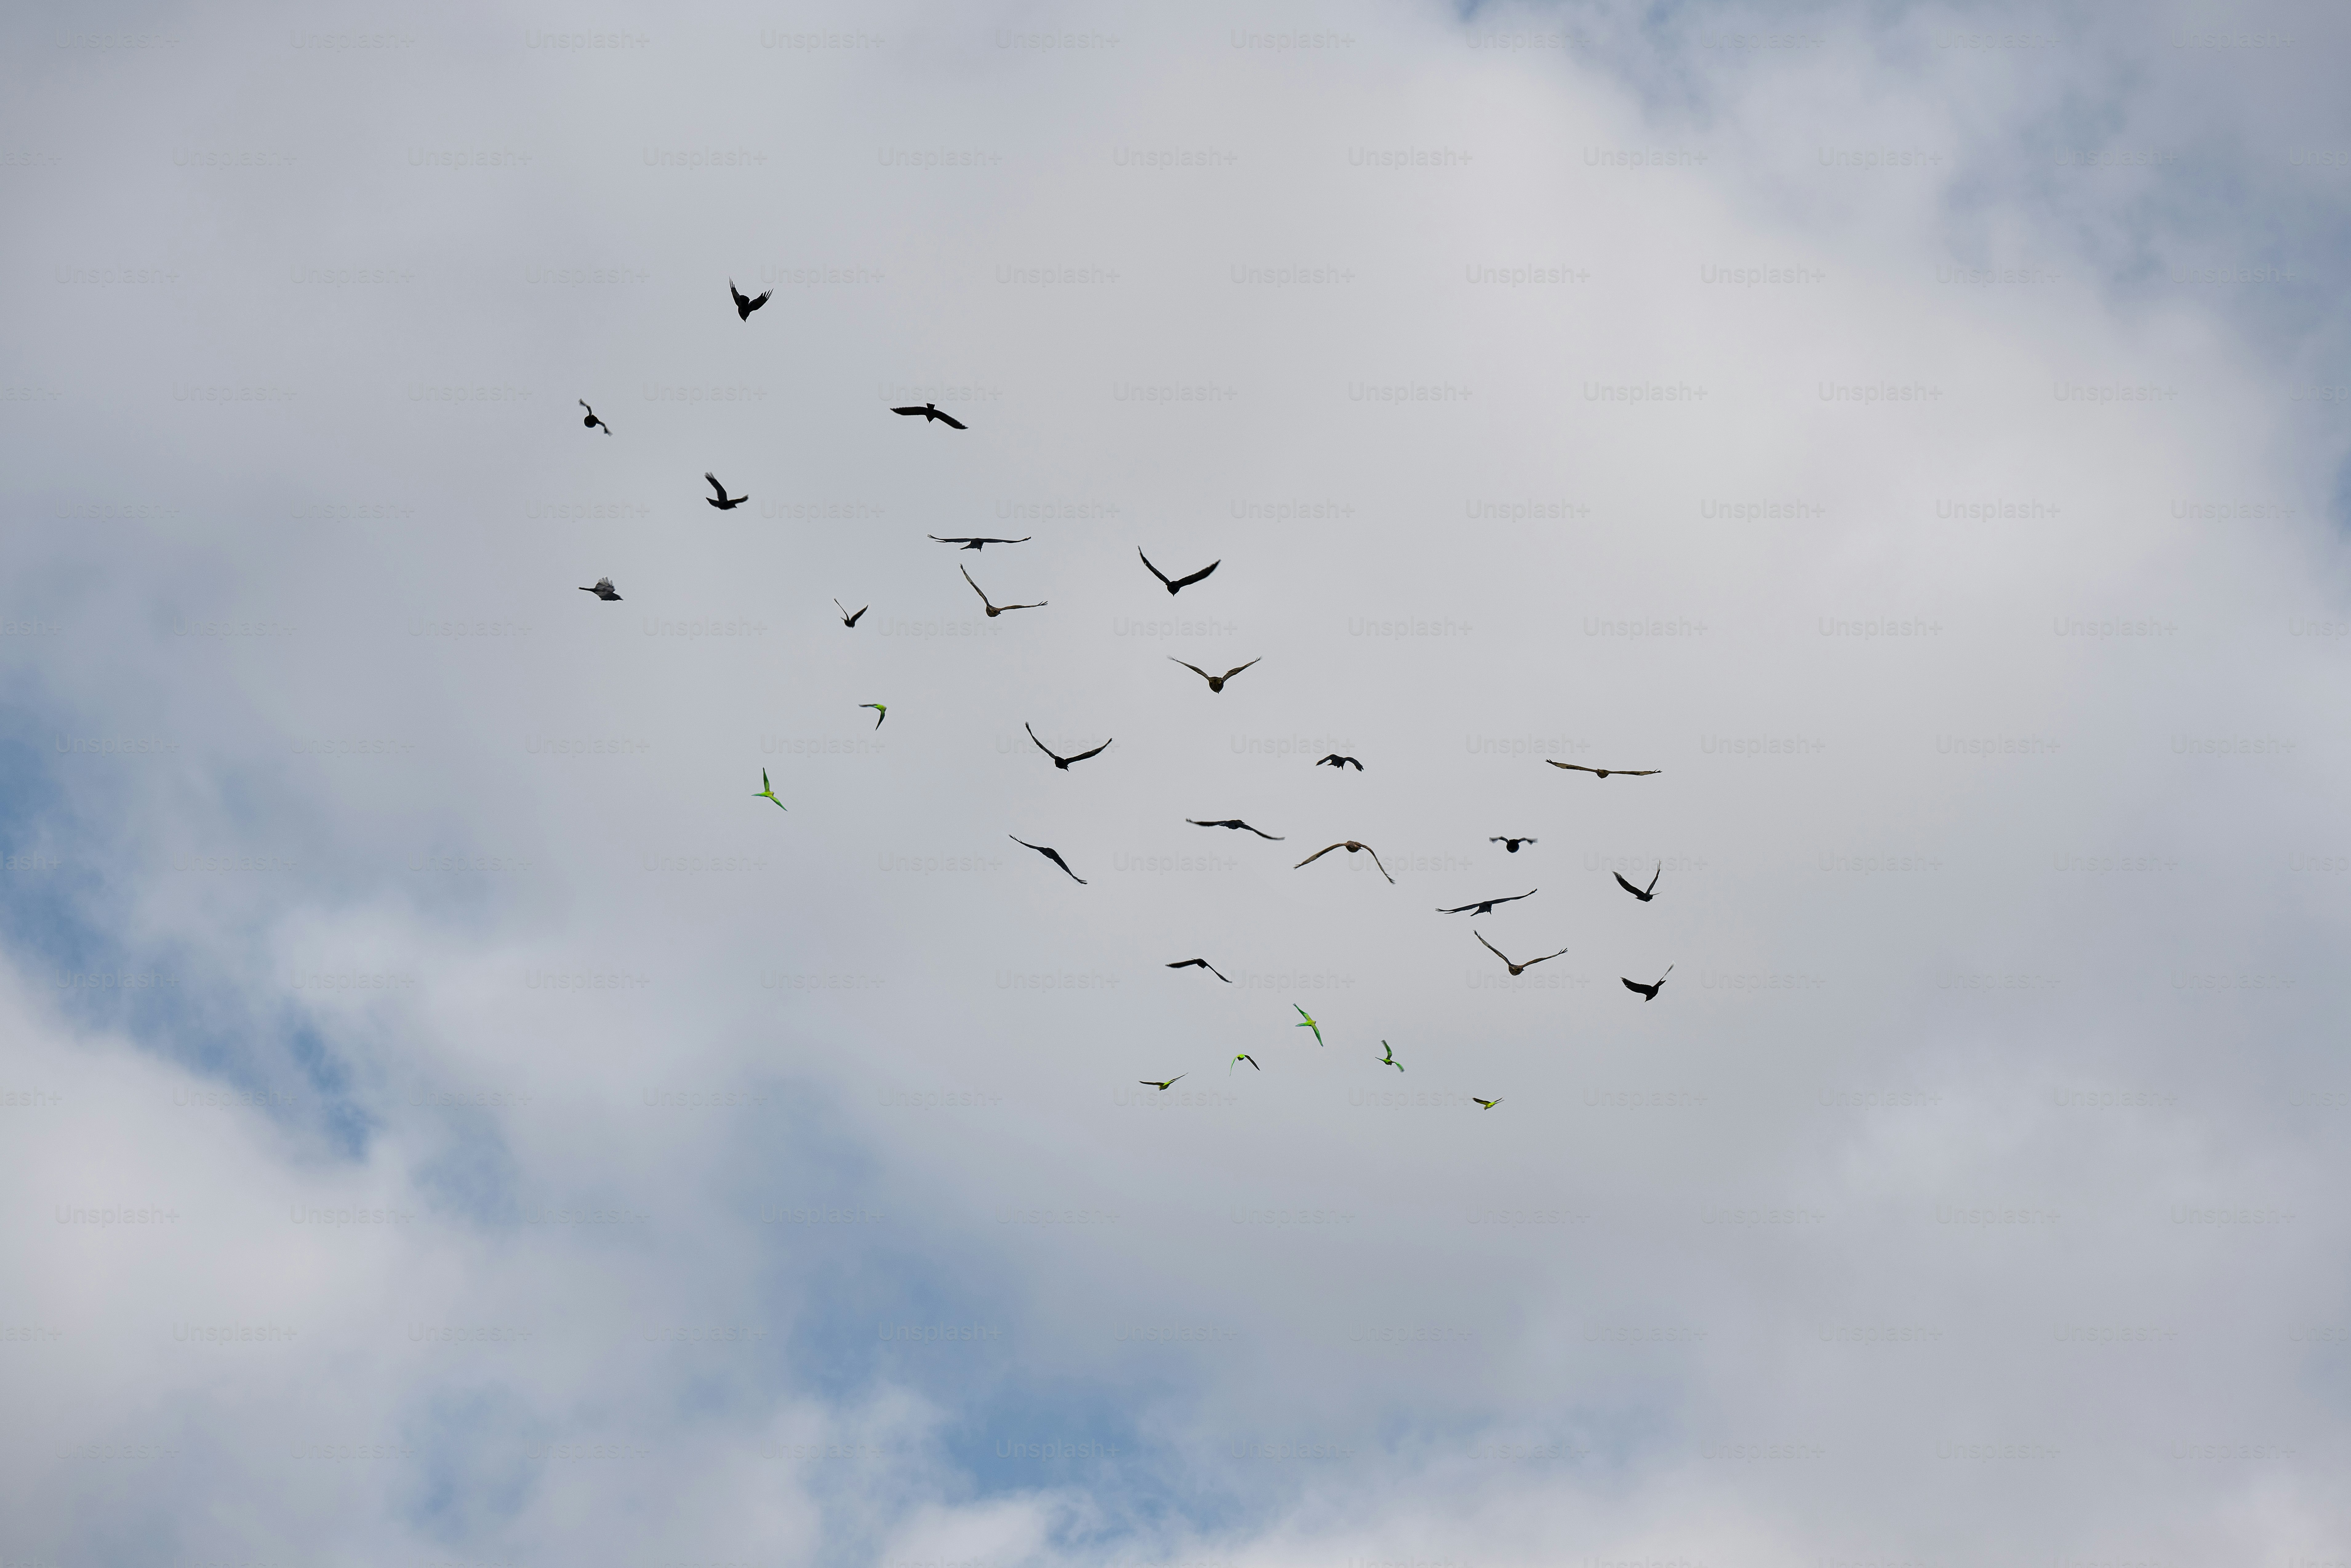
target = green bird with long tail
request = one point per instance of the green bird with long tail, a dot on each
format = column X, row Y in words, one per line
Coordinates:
column 1388, row 1057
column 881, row 712
column 1307, row 1021
column 767, row 791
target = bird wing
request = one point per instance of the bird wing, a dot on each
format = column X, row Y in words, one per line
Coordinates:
column 1194, row 668
column 1376, row 860
column 1575, row 767
column 1456, row 909
column 944, row 541
column 1544, row 960
column 1636, row 772
column 1631, row 986
column 1051, row 854
column 736, row 294
column 1155, row 571
column 1626, row 885
column 763, row 298
column 974, row 586
column 1274, row 838
column 1039, row 605
column 1214, row 970
column 715, row 484
column 1189, row 582
column 1317, row 855
column 583, row 403
column 1332, row 760
column 1653, row 876
column 861, row 611
column 950, row 421
column 917, row 410
column 1498, row 953
column 1041, row 744
column 1097, row 751
column 601, row 582
column 1231, row 672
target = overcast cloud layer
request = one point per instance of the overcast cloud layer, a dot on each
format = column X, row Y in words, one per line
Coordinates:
column 444, row 1117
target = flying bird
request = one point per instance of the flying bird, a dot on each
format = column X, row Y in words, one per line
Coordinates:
column 1643, row 894
column 767, row 792
column 1341, row 763
column 930, row 411
column 1215, row 683
column 1387, row 1058
column 1604, row 772
column 983, row 544
column 1236, row 822
column 1201, row 964
column 1505, row 957
column 1180, row 583
column 1306, row 1020
column 846, row 618
column 1053, row 855
column 1060, row 761
column 604, row 588
column 725, row 503
column 743, row 308
column 1510, row 844
column 1162, row 1084
column 1648, row 993
column 591, row 421
column 1351, row 846
column 1486, row 905
column 996, row 610
column 1490, row 1105
column 1244, row 1056
column 881, row 712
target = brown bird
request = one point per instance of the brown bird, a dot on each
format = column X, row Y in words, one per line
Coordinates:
column 1180, row 584
column 996, row 610
column 1648, row 993
column 1604, row 772
column 1215, row 683
column 1060, row 761
column 1199, row 963
column 1236, row 822
column 1643, row 894
column 1351, row 846
column 1053, row 855
column 1515, row 968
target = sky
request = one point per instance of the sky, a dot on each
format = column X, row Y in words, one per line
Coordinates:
column 447, row 1118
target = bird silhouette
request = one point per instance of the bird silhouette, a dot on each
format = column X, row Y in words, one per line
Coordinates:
column 604, row 588
column 1648, row 993
column 1201, row 964
column 1387, row 1057
column 767, row 791
column 1488, row 1104
column 1236, row 822
column 1643, row 894
column 1604, row 772
column 1306, row 1020
column 982, row 544
column 930, row 411
column 1163, row 1085
column 1215, row 683
column 725, row 503
column 846, row 618
column 1053, row 855
column 1486, row 905
column 1351, row 846
column 743, row 308
column 1515, row 968
column 881, row 712
column 1510, row 844
column 1339, row 762
column 996, row 610
column 1244, row 1056
column 1180, row 584
column 591, row 421
column 1060, row 761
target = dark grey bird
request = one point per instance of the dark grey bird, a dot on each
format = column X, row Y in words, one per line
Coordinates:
column 930, row 411
column 1604, row 772
column 725, row 503
column 983, row 544
column 1180, row 584
column 846, row 618
column 1518, row 968
column 743, row 308
column 591, row 421
column 1235, row 822
column 1643, row 894
column 604, row 588
column 1199, row 963
column 1339, row 762
column 1648, row 993
column 1486, row 905
column 1053, row 855
column 1351, row 846
column 1215, row 683
column 1060, row 761
column 995, row 609
column 1510, row 844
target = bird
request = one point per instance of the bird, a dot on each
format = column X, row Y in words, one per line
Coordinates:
column 743, row 308
column 1341, row 763
column 1643, row 894
column 1306, row 1020
column 1486, row 905
column 1604, row 772
column 1388, row 1057
column 1200, row 963
column 1180, row 583
column 1648, row 993
column 1490, row 1105
column 724, row 503
column 1351, row 846
column 930, row 411
column 591, row 421
column 1053, row 855
column 1215, row 683
column 767, row 792
column 1505, row 957
column 881, row 712
column 983, row 544
column 1060, row 761
column 604, row 588
column 846, row 618
column 1244, row 1056
column 1236, row 822
column 1163, row 1085
column 996, row 610
column 1510, row 844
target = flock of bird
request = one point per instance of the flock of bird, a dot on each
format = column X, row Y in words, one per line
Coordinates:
column 930, row 413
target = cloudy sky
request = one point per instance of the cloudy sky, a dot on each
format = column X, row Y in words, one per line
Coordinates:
column 445, row 1118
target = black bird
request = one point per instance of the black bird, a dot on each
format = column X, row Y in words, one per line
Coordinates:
column 930, row 411
column 1604, row 772
column 1648, row 993
column 1351, row 846
column 1053, row 855
column 1162, row 1084
column 1200, row 964
column 1215, row 683
column 1519, row 969
column 1341, row 763
column 1182, row 582
column 983, row 544
column 1510, row 844
column 743, row 308
column 1643, row 894
column 850, row 621
column 1060, row 761
column 725, row 502
column 1234, row 822
column 1486, row 905
column 591, row 421
column 604, row 588
column 995, row 609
